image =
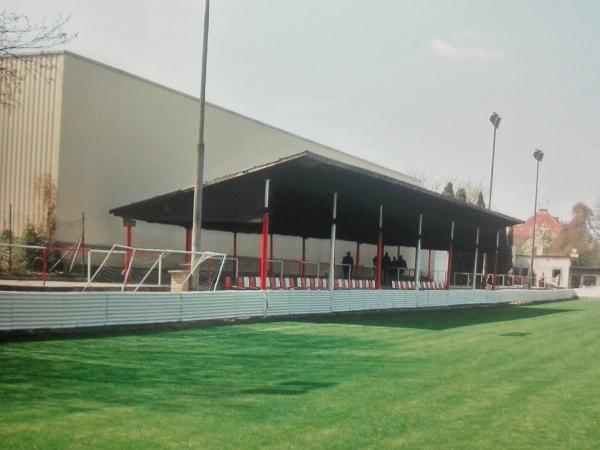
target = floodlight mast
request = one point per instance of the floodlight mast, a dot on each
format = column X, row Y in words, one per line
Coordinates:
column 197, row 215
column 495, row 120
column 538, row 155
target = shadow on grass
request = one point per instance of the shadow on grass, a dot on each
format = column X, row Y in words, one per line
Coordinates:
column 294, row 387
column 515, row 334
column 439, row 319
column 215, row 368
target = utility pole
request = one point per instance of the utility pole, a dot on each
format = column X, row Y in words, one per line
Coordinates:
column 197, row 217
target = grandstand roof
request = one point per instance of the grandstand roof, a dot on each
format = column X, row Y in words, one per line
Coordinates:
column 302, row 188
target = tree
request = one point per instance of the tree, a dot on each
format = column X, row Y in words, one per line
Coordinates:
column 480, row 200
column 461, row 194
column 580, row 234
column 45, row 189
column 19, row 35
column 448, row 190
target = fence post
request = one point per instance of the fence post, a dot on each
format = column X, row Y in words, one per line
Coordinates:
column 44, row 265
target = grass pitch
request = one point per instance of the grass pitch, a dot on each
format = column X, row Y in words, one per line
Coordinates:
column 503, row 377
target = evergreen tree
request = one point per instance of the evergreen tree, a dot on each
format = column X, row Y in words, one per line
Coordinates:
column 480, row 201
column 461, row 194
column 448, row 190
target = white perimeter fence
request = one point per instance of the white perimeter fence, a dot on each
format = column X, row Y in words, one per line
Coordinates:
column 32, row 310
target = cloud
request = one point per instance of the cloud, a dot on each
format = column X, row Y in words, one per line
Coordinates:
column 444, row 49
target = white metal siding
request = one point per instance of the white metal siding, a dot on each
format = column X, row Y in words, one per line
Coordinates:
column 29, row 138
column 28, row 310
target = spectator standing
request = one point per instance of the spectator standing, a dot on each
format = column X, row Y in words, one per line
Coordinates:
column 347, row 265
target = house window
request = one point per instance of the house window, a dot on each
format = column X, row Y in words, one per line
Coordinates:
column 556, row 273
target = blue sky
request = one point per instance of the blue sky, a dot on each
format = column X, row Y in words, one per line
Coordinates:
column 407, row 84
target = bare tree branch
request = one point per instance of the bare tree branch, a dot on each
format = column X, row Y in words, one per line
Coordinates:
column 18, row 35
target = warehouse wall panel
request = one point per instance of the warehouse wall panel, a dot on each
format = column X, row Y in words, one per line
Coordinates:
column 29, row 137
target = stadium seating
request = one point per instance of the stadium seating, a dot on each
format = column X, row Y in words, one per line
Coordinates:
column 317, row 283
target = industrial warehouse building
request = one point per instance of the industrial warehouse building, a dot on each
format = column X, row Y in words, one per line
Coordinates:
column 105, row 138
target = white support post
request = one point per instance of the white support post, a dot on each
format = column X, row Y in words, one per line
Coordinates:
column 267, row 186
column 332, row 243
column 89, row 265
column 476, row 260
column 418, row 255
column 160, row 269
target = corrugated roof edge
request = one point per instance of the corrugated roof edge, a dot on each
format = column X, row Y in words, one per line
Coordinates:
column 235, row 113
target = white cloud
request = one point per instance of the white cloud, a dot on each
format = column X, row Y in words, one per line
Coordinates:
column 446, row 50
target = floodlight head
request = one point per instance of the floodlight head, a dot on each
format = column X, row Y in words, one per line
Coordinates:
column 495, row 119
column 538, row 155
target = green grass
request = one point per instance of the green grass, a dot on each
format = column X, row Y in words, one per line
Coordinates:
column 504, row 377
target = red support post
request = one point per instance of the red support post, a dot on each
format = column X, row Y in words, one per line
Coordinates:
column 429, row 266
column 303, row 257
column 357, row 264
column 264, row 239
column 44, row 265
column 234, row 265
column 129, row 236
column 450, row 257
column 188, row 248
column 263, row 251
column 378, row 268
column 495, row 278
column 449, row 272
column 271, row 254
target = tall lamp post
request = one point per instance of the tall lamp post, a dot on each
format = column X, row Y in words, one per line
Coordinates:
column 538, row 155
column 198, row 186
column 495, row 119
